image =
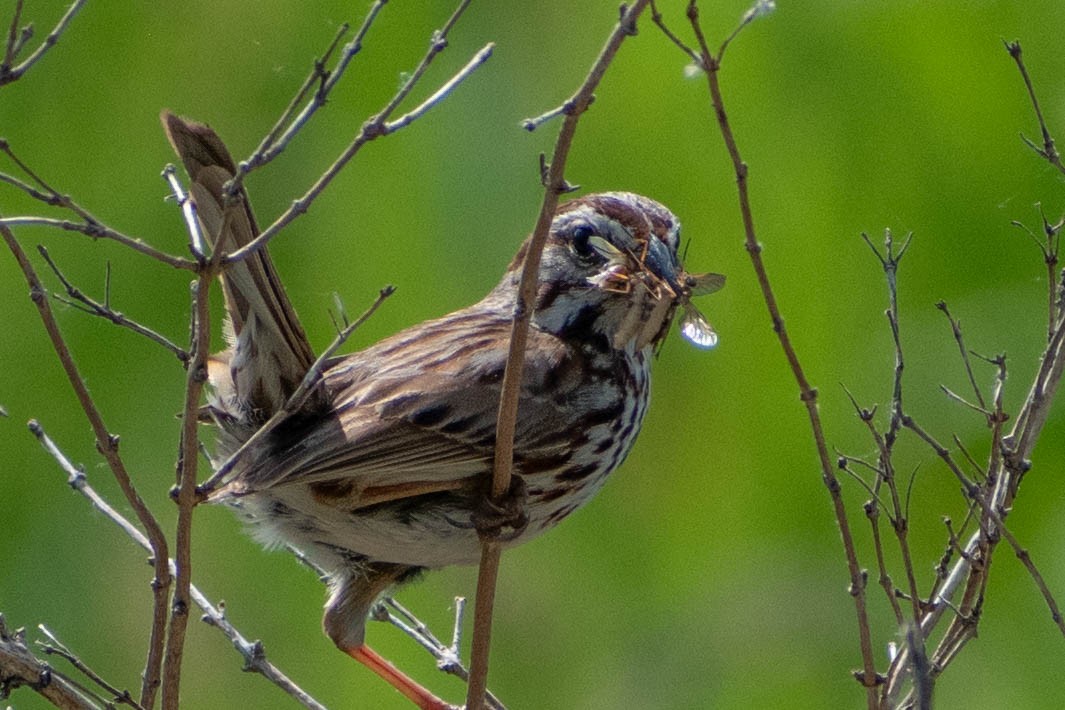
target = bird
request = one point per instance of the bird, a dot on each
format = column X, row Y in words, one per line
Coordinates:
column 383, row 471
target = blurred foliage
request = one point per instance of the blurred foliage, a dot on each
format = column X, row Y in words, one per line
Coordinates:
column 709, row 572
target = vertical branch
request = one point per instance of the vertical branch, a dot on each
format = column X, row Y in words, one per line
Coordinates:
column 185, row 491
column 885, row 443
column 554, row 185
column 711, row 64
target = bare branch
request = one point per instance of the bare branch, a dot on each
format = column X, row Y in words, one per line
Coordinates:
column 252, row 651
column 186, row 496
column 16, row 41
column 18, row 666
column 1048, row 150
column 955, row 327
column 711, row 63
column 89, row 226
column 79, row 300
column 508, row 402
column 107, row 445
column 440, row 94
column 321, row 81
column 197, row 242
column 100, row 231
column 374, row 128
column 1050, row 247
column 290, row 124
column 121, row 697
column 657, row 18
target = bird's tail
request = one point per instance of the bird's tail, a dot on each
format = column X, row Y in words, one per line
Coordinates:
column 269, row 353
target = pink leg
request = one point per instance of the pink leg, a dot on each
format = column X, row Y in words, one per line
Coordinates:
column 398, row 679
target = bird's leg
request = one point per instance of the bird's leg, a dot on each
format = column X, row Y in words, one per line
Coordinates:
column 353, row 594
column 410, row 688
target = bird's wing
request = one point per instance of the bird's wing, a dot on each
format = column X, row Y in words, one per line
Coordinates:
column 407, row 421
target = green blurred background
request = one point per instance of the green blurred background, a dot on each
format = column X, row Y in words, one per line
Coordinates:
column 709, row 572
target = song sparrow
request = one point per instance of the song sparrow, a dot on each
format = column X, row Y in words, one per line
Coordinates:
column 384, row 472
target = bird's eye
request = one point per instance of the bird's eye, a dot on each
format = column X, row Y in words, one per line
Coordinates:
column 581, row 234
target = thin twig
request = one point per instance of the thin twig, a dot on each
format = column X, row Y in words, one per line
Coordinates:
column 955, row 327
column 511, row 386
column 960, row 445
column 57, row 647
column 320, row 80
column 90, row 225
column 197, row 242
column 275, row 142
column 12, row 44
column 872, row 510
column 657, row 18
column 18, row 666
column 890, row 260
column 375, row 127
column 844, row 465
column 107, row 445
column 758, row 9
column 296, row 399
column 100, row 231
column 1048, row 150
column 1050, row 248
column 898, row 519
column 252, row 651
column 8, row 73
column 975, row 557
column 440, row 94
column 81, row 301
column 964, row 402
column 531, row 124
column 711, row 64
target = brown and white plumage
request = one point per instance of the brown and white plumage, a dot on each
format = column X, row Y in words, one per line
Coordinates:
column 269, row 352
column 382, row 474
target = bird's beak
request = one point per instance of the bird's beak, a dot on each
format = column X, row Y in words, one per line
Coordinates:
column 663, row 264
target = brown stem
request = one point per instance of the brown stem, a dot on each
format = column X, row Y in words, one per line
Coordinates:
column 711, row 63
column 18, row 666
column 187, row 468
column 554, row 185
column 107, row 445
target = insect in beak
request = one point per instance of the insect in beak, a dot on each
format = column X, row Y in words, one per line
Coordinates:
column 694, row 326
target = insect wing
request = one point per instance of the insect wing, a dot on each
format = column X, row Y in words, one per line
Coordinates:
column 703, row 284
column 696, row 329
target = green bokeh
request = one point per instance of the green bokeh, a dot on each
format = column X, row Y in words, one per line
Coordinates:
column 709, row 572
